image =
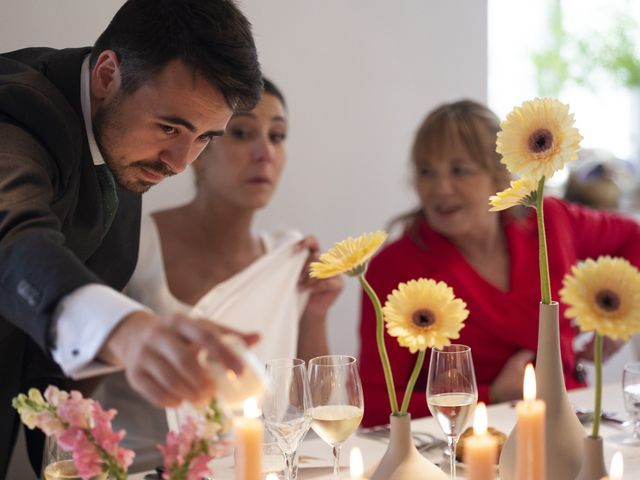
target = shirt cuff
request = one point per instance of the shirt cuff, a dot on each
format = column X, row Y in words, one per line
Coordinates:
column 83, row 321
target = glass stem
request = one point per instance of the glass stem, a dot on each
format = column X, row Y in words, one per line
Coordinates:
column 452, row 441
column 288, row 459
column 336, row 461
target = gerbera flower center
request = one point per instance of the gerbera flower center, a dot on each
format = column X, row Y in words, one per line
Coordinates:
column 540, row 141
column 608, row 301
column 423, row 318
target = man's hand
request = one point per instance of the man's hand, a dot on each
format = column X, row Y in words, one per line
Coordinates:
column 161, row 359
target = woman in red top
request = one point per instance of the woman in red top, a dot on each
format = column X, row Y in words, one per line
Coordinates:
column 489, row 259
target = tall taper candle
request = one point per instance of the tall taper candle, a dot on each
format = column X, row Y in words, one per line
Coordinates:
column 617, row 467
column 530, row 454
column 249, row 434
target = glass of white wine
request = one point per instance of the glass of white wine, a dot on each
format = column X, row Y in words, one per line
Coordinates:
column 452, row 392
column 336, row 398
column 58, row 464
column 287, row 407
column 631, row 391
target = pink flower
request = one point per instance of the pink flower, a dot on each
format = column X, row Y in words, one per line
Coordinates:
column 49, row 423
column 107, row 439
column 85, row 455
column 55, row 396
column 77, row 411
column 199, row 467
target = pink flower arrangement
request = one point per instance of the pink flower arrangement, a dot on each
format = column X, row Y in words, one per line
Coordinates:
column 82, row 427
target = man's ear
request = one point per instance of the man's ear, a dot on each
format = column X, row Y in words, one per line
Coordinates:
column 105, row 76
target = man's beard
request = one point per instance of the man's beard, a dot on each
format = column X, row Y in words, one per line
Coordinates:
column 108, row 130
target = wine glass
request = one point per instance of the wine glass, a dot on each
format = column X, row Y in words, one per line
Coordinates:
column 56, row 463
column 451, row 392
column 287, row 407
column 336, row 398
column 631, row 390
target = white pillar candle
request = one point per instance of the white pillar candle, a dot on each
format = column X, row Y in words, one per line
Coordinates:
column 480, row 449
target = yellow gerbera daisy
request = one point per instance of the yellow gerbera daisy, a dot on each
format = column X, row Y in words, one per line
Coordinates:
column 538, row 138
column 604, row 296
column 424, row 314
column 520, row 192
column 349, row 256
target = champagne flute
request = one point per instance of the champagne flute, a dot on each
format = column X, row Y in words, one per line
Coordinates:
column 631, row 390
column 287, row 407
column 336, row 398
column 451, row 392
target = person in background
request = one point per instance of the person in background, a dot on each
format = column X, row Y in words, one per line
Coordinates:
column 204, row 257
column 489, row 259
column 83, row 133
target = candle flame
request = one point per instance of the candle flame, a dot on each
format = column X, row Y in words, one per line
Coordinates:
column 616, row 469
column 480, row 419
column 529, row 387
column 250, row 407
column 356, row 467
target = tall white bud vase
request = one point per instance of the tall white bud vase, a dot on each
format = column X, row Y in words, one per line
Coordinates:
column 564, row 435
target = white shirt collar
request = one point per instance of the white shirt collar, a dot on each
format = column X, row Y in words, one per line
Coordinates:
column 85, row 102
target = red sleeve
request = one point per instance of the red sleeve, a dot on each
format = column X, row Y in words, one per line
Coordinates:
column 599, row 232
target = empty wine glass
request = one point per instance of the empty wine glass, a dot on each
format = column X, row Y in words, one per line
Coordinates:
column 451, row 393
column 287, row 407
column 336, row 398
column 631, row 390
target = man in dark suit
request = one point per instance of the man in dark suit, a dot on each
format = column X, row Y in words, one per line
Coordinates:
column 83, row 132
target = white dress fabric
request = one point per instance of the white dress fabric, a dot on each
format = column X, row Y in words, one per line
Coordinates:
column 262, row 298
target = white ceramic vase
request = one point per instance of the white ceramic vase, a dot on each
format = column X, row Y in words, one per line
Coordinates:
column 402, row 461
column 564, row 434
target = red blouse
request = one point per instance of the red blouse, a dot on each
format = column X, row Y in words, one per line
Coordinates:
column 499, row 323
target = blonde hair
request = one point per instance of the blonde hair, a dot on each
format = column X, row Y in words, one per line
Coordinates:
column 465, row 122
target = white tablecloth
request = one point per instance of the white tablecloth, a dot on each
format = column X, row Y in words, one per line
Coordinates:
column 316, row 455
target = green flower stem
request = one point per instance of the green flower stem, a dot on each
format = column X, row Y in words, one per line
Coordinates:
column 382, row 349
column 597, row 360
column 412, row 382
column 545, row 283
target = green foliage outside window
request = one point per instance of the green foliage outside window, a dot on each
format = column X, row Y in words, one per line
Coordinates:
column 569, row 59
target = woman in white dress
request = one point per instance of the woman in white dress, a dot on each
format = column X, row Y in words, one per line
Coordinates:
column 204, row 258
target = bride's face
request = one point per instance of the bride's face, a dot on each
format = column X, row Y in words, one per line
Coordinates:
column 243, row 167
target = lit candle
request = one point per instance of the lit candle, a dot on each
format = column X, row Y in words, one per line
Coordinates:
column 616, row 470
column 356, row 467
column 530, row 454
column 480, row 449
column 249, row 433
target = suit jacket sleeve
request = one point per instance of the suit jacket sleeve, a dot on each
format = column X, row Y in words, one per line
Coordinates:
column 36, row 268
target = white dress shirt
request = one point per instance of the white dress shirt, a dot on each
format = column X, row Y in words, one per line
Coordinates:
column 84, row 318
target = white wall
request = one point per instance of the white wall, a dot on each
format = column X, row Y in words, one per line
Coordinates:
column 358, row 76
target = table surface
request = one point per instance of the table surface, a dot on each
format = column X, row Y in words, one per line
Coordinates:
column 315, row 455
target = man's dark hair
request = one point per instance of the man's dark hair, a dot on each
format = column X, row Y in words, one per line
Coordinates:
column 211, row 36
